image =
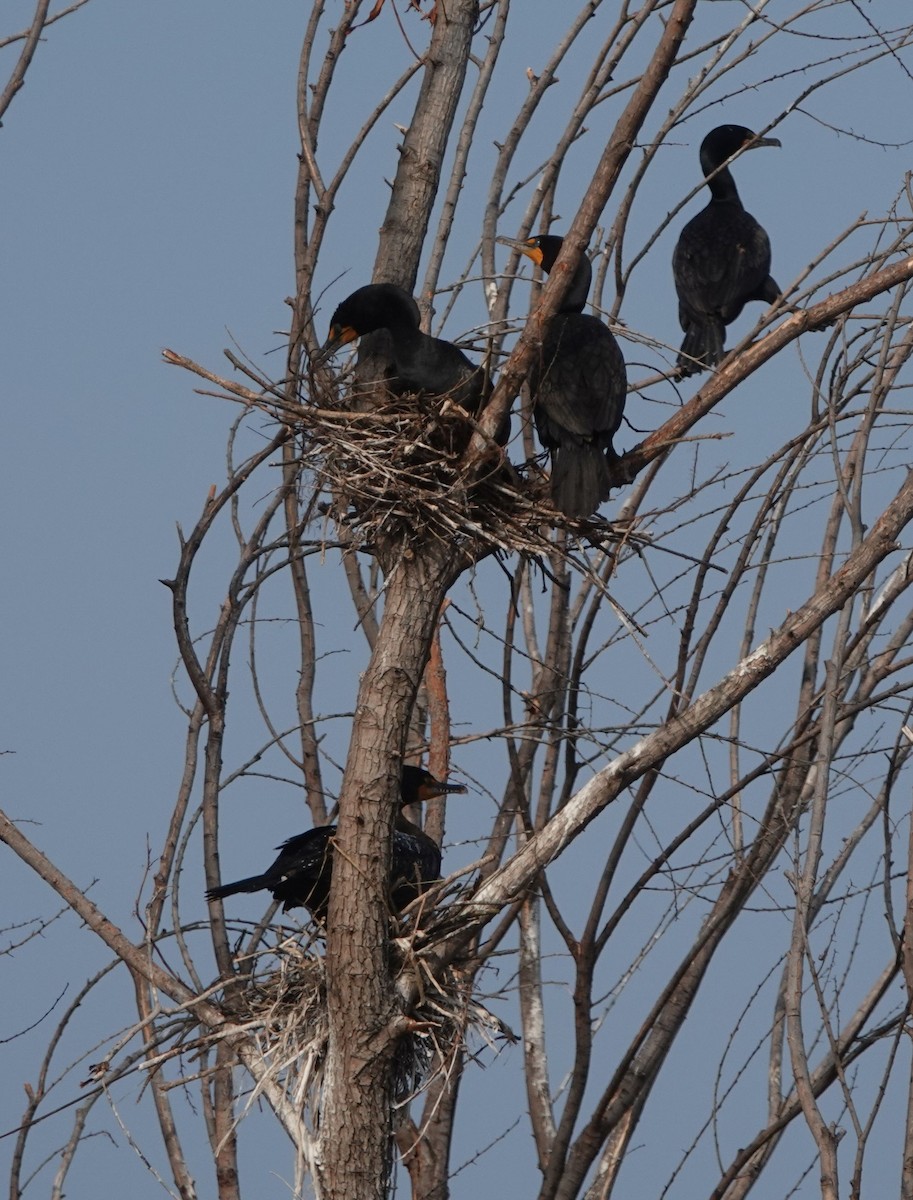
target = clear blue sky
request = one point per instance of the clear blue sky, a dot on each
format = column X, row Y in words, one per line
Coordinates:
column 148, row 176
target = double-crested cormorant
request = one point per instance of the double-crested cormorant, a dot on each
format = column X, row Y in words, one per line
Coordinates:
column 578, row 387
column 722, row 259
column 423, row 363
column 301, row 874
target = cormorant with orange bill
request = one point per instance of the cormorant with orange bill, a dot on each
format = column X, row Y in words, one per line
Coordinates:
column 578, row 386
column 722, row 258
column 301, row 874
column 424, row 364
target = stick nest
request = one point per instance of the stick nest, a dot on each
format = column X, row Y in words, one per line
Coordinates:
column 395, row 468
column 284, row 1006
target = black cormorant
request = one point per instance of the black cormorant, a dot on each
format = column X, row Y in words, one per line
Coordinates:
column 424, row 364
column 301, row 874
column 722, row 258
column 578, row 387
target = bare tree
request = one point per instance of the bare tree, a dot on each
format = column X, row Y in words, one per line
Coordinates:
column 720, row 674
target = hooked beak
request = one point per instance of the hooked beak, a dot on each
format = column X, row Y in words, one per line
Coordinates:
column 526, row 246
column 339, row 336
column 434, row 787
column 765, row 141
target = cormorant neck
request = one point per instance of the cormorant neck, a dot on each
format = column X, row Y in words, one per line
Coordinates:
column 399, row 321
column 577, row 293
column 404, row 825
column 407, row 342
column 722, row 186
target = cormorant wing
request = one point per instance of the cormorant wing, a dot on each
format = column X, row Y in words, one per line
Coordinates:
column 582, row 384
column 721, row 261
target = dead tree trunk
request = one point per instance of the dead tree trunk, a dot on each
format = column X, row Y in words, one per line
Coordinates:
column 365, row 1020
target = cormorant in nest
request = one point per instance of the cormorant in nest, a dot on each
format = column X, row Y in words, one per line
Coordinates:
column 424, row 364
column 301, row 874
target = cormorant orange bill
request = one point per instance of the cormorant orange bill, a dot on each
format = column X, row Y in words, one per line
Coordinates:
column 301, row 874
column 722, row 258
column 423, row 364
column 578, row 387
column 376, row 306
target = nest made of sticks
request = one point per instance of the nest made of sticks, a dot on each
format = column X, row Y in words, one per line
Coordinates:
column 394, row 467
column 284, row 1006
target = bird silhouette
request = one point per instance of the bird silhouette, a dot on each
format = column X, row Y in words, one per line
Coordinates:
column 424, row 364
column 722, row 258
column 301, row 875
column 578, row 387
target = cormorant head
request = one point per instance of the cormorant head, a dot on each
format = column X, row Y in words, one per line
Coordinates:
column 374, row 306
column 417, row 785
column 544, row 249
column 725, row 141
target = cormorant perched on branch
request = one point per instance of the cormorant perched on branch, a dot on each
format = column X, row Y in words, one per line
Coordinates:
column 301, row 874
column 424, row 364
column 722, row 259
column 578, row 387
